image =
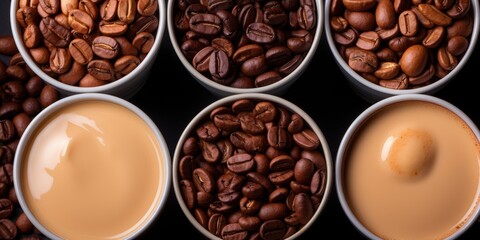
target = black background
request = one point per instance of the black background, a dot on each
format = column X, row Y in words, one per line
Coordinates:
column 171, row 97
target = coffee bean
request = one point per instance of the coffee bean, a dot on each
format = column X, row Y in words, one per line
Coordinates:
column 8, row 229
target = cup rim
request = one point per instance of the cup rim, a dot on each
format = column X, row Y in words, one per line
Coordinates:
column 224, row 90
column 149, row 58
column 165, row 179
column 430, row 88
column 254, row 96
column 357, row 124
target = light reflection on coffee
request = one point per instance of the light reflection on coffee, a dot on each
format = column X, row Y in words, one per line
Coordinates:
column 411, row 171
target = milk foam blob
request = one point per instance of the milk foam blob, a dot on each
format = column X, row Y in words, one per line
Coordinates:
column 409, row 152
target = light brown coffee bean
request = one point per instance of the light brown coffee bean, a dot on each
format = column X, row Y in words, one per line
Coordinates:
column 434, row 14
column 101, row 69
column 385, row 14
column 105, row 47
column 73, row 76
column 143, row 42
column 112, row 28
column 127, row 10
column 414, row 60
column 80, row 51
column 60, row 60
column 90, row 81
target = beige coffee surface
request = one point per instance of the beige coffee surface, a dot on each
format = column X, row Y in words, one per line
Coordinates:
column 412, row 172
column 93, row 172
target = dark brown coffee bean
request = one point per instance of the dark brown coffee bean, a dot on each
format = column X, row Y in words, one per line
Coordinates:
column 24, row 224
column 272, row 230
column 363, row 61
column 74, row 75
column 267, row 78
column 281, row 178
column 414, row 60
column 231, row 181
column 304, row 170
column 253, row 190
column 188, row 193
column 250, row 124
column 101, row 69
column 204, row 199
column 6, row 173
column 369, row 41
column 206, row 24
column 201, row 216
column 363, row 5
column 210, row 151
column 233, row 231
column 260, row 33
column 219, row 64
column 21, row 122
column 457, row 45
column 230, row 25
column 203, row 180
column 446, row 60
column 246, row 52
column 307, row 139
column 34, row 86
column 10, row 109
column 250, row 206
column 216, row 223
column 8, row 229
column 207, row 131
column 6, row 208
column 254, row 66
column 303, row 208
column 407, row 23
column 291, row 65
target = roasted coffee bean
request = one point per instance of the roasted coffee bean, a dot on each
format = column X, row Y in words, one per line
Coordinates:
column 216, row 223
column 8, row 229
column 23, row 223
column 234, row 231
column 6, row 208
column 272, row 230
column 55, row 33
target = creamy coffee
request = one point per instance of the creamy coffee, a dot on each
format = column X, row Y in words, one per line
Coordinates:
column 93, row 170
column 412, row 172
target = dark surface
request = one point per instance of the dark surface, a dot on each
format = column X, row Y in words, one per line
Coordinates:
column 171, row 97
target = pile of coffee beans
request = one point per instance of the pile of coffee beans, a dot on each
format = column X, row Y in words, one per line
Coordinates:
column 252, row 170
column 245, row 44
column 88, row 43
column 22, row 96
column 402, row 44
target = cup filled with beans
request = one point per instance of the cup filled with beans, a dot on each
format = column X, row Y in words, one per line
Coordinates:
column 80, row 46
column 233, row 47
column 391, row 47
column 252, row 166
